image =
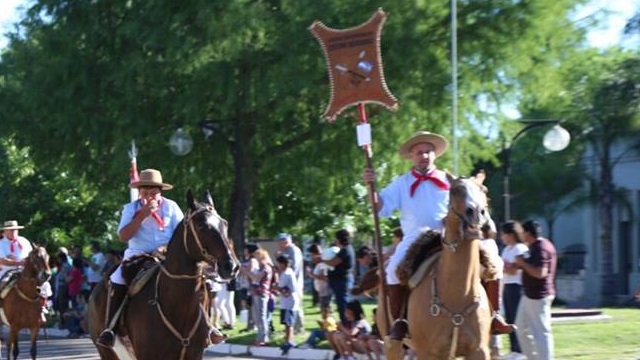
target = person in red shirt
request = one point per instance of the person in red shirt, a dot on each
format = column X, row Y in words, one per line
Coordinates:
column 75, row 280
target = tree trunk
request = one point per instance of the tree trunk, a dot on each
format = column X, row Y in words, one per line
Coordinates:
column 605, row 204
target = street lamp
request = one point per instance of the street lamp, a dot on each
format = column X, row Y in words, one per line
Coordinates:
column 180, row 142
column 556, row 139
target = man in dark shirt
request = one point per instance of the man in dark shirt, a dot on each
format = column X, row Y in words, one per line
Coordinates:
column 533, row 318
column 341, row 277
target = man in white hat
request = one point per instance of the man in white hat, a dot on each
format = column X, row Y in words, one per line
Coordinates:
column 422, row 196
column 13, row 248
column 145, row 225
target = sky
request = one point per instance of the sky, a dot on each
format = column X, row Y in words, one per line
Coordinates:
column 609, row 34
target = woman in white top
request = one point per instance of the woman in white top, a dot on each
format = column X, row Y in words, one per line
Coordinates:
column 511, row 236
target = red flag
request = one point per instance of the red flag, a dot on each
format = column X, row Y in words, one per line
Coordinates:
column 133, row 174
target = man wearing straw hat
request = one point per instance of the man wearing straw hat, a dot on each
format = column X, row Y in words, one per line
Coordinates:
column 422, row 196
column 146, row 224
column 13, row 248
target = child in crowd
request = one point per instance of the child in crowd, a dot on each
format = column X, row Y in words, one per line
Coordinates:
column 328, row 325
column 289, row 300
column 345, row 340
column 75, row 318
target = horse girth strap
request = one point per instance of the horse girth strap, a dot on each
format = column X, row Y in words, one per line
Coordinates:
column 438, row 308
column 185, row 341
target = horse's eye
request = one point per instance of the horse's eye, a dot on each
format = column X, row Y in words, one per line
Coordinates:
column 470, row 212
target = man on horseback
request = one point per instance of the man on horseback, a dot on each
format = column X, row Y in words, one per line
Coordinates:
column 422, row 196
column 13, row 248
column 145, row 225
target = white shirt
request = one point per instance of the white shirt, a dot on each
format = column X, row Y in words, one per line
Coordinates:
column 20, row 252
column 425, row 209
column 288, row 279
column 150, row 236
column 509, row 254
column 94, row 276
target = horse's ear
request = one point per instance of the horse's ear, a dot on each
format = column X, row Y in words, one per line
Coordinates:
column 207, row 199
column 191, row 202
column 450, row 177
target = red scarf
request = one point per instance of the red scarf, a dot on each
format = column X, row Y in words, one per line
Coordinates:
column 13, row 244
column 427, row 177
column 155, row 217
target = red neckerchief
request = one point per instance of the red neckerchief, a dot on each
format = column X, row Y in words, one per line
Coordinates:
column 13, row 244
column 427, row 177
column 155, row 216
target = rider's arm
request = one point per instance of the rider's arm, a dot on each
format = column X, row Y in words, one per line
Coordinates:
column 129, row 230
column 11, row 262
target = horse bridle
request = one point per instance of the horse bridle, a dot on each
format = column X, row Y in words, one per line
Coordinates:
column 211, row 259
column 464, row 224
column 32, row 259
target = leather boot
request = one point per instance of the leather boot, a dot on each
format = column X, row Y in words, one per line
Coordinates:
column 117, row 295
column 397, row 298
column 498, row 325
column 215, row 336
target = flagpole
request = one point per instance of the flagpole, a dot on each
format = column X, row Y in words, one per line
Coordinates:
column 133, row 175
column 373, row 200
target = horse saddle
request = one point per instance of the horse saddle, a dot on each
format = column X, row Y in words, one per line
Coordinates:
column 8, row 281
column 137, row 271
column 419, row 258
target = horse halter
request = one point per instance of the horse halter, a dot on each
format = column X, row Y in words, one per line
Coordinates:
column 465, row 218
column 188, row 221
column 42, row 274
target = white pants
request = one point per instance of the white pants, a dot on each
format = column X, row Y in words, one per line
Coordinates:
column 533, row 320
column 226, row 307
column 397, row 257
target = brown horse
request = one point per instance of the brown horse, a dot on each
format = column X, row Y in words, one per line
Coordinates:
column 165, row 319
column 448, row 311
column 21, row 307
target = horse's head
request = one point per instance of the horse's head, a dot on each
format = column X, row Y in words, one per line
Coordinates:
column 38, row 262
column 468, row 206
column 206, row 231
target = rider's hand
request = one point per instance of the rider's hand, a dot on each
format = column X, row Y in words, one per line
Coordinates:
column 149, row 205
column 369, row 175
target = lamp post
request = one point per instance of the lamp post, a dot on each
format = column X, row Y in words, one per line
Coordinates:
column 556, row 139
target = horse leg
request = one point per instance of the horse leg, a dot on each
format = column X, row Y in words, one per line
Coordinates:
column 482, row 353
column 34, row 345
column 12, row 344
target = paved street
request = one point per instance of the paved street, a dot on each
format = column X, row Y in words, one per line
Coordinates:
column 72, row 349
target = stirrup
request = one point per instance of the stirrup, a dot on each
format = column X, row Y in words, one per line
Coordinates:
column 399, row 329
column 106, row 339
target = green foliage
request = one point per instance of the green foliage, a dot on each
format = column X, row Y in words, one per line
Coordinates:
column 85, row 78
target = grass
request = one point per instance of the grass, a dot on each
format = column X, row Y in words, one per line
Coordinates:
column 616, row 338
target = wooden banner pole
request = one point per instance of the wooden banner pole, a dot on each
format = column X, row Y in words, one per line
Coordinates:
column 373, row 200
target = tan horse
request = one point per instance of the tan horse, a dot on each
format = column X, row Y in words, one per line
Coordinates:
column 21, row 308
column 448, row 311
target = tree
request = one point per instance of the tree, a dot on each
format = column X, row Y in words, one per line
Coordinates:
column 602, row 104
column 87, row 77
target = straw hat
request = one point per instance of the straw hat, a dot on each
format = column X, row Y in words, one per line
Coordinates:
column 11, row 225
column 151, row 177
column 438, row 141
